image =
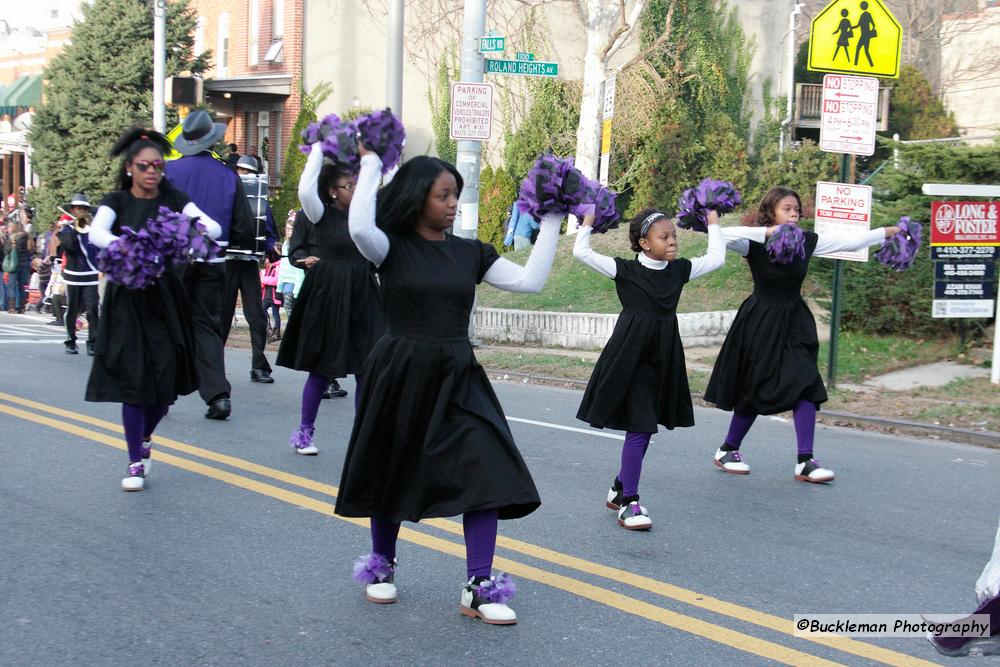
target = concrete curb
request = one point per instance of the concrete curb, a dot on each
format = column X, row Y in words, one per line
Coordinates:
column 987, row 439
column 587, row 331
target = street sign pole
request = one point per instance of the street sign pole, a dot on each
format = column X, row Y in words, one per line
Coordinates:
column 838, row 279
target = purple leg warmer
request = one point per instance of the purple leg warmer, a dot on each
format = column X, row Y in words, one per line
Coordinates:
column 384, row 535
column 804, row 416
column 633, row 452
column 739, row 426
column 312, row 394
column 154, row 413
column 134, row 422
column 480, row 541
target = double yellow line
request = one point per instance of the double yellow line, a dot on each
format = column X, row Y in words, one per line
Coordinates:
column 604, row 596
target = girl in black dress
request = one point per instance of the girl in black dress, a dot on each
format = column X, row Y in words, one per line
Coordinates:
column 144, row 353
column 767, row 363
column 430, row 438
column 338, row 313
column 640, row 379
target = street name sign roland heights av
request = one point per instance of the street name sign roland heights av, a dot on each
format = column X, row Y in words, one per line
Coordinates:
column 844, row 210
column 522, row 67
column 848, row 121
column 471, row 111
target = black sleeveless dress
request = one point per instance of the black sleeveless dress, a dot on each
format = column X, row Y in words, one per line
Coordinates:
column 338, row 314
column 145, row 343
column 640, row 379
column 430, row 438
column 768, row 362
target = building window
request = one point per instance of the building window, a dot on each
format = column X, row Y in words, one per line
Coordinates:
column 199, row 36
column 276, row 146
column 263, row 139
column 277, row 19
column 222, row 62
column 253, row 47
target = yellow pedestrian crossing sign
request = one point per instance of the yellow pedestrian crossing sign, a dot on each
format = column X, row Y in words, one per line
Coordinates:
column 856, row 37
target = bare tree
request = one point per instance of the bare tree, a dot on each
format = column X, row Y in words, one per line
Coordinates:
column 608, row 24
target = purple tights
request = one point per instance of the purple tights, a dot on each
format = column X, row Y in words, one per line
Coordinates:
column 312, row 395
column 804, row 416
column 480, row 540
column 139, row 422
column 633, row 452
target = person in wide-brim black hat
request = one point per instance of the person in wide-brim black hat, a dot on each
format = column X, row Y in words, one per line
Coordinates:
column 198, row 133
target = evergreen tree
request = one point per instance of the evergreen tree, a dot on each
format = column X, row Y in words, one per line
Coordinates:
column 98, row 87
column 701, row 127
column 914, row 111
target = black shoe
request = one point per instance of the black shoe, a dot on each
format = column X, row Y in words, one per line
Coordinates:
column 334, row 390
column 56, row 323
column 71, row 347
column 264, row 377
column 91, row 345
column 219, row 409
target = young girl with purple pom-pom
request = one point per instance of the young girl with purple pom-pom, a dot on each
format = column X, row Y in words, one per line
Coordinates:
column 144, row 354
column 338, row 314
column 640, row 381
column 430, row 438
column 768, row 362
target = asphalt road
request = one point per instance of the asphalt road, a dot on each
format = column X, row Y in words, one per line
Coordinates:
column 233, row 555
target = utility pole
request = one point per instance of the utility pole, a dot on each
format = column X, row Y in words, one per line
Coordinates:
column 469, row 152
column 394, row 65
column 159, row 64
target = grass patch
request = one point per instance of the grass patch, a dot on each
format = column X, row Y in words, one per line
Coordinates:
column 862, row 356
column 537, row 363
column 573, row 288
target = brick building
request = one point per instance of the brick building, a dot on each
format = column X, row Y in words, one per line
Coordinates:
column 254, row 83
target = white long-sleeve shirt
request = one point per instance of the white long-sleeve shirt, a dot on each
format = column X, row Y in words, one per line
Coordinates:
column 738, row 240
column 373, row 243
column 710, row 261
column 100, row 227
column 312, row 205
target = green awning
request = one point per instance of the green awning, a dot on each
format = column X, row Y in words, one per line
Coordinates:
column 25, row 92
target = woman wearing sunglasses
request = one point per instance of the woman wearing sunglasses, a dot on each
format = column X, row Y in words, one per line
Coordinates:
column 144, row 356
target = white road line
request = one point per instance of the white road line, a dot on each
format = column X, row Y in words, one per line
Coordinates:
column 51, row 341
column 560, row 427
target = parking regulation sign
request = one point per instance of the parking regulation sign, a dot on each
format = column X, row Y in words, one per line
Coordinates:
column 849, row 114
column 471, row 111
column 844, row 210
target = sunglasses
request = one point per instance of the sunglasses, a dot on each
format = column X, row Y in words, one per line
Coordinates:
column 155, row 165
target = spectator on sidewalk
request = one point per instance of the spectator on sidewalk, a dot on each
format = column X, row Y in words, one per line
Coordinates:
column 521, row 229
column 290, row 276
column 19, row 249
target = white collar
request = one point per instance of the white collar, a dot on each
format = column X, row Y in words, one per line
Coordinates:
column 650, row 263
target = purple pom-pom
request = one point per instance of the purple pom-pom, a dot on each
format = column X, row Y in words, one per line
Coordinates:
column 382, row 132
column 899, row 250
column 552, row 185
column 337, row 140
column 499, row 589
column 785, row 244
column 599, row 201
column 180, row 238
column 372, row 569
column 708, row 195
column 132, row 260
